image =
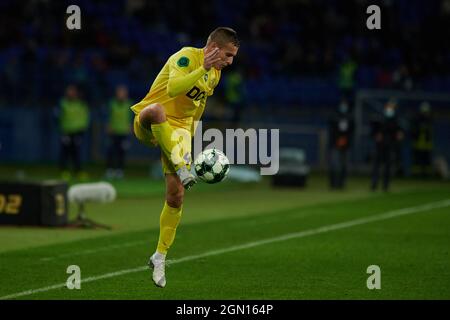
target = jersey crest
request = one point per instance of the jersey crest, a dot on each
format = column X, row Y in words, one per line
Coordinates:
column 183, row 62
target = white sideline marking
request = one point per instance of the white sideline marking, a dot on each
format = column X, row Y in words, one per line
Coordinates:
column 91, row 251
column 301, row 234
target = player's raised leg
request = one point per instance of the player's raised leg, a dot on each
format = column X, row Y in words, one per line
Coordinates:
column 169, row 220
column 154, row 118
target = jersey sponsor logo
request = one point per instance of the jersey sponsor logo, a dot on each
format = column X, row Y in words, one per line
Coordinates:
column 183, row 62
column 196, row 94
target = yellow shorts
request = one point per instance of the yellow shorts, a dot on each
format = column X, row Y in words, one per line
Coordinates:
column 146, row 137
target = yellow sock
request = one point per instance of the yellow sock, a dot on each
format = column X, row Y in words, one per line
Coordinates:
column 168, row 222
column 163, row 133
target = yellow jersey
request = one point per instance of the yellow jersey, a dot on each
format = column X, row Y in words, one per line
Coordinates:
column 182, row 87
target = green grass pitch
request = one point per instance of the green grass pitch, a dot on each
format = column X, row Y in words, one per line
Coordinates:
column 245, row 241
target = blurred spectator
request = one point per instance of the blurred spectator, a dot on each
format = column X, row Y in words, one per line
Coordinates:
column 234, row 94
column 386, row 133
column 402, row 79
column 119, row 126
column 341, row 128
column 346, row 81
column 286, row 39
column 422, row 139
column 11, row 84
column 73, row 122
column 398, row 159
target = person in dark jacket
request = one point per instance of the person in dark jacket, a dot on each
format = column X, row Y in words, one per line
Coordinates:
column 341, row 127
column 386, row 133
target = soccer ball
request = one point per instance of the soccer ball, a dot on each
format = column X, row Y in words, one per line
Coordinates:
column 211, row 166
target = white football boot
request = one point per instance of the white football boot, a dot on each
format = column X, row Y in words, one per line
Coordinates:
column 186, row 177
column 159, row 274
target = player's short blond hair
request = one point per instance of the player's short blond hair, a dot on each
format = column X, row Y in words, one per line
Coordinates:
column 224, row 35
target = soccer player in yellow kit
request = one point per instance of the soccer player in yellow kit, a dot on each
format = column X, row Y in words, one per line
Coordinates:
column 166, row 118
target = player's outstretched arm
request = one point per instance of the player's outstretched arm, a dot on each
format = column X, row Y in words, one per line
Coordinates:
column 181, row 80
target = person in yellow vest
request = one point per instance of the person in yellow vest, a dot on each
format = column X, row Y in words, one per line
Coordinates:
column 346, row 78
column 234, row 95
column 73, row 124
column 119, row 127
column 167, row 117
